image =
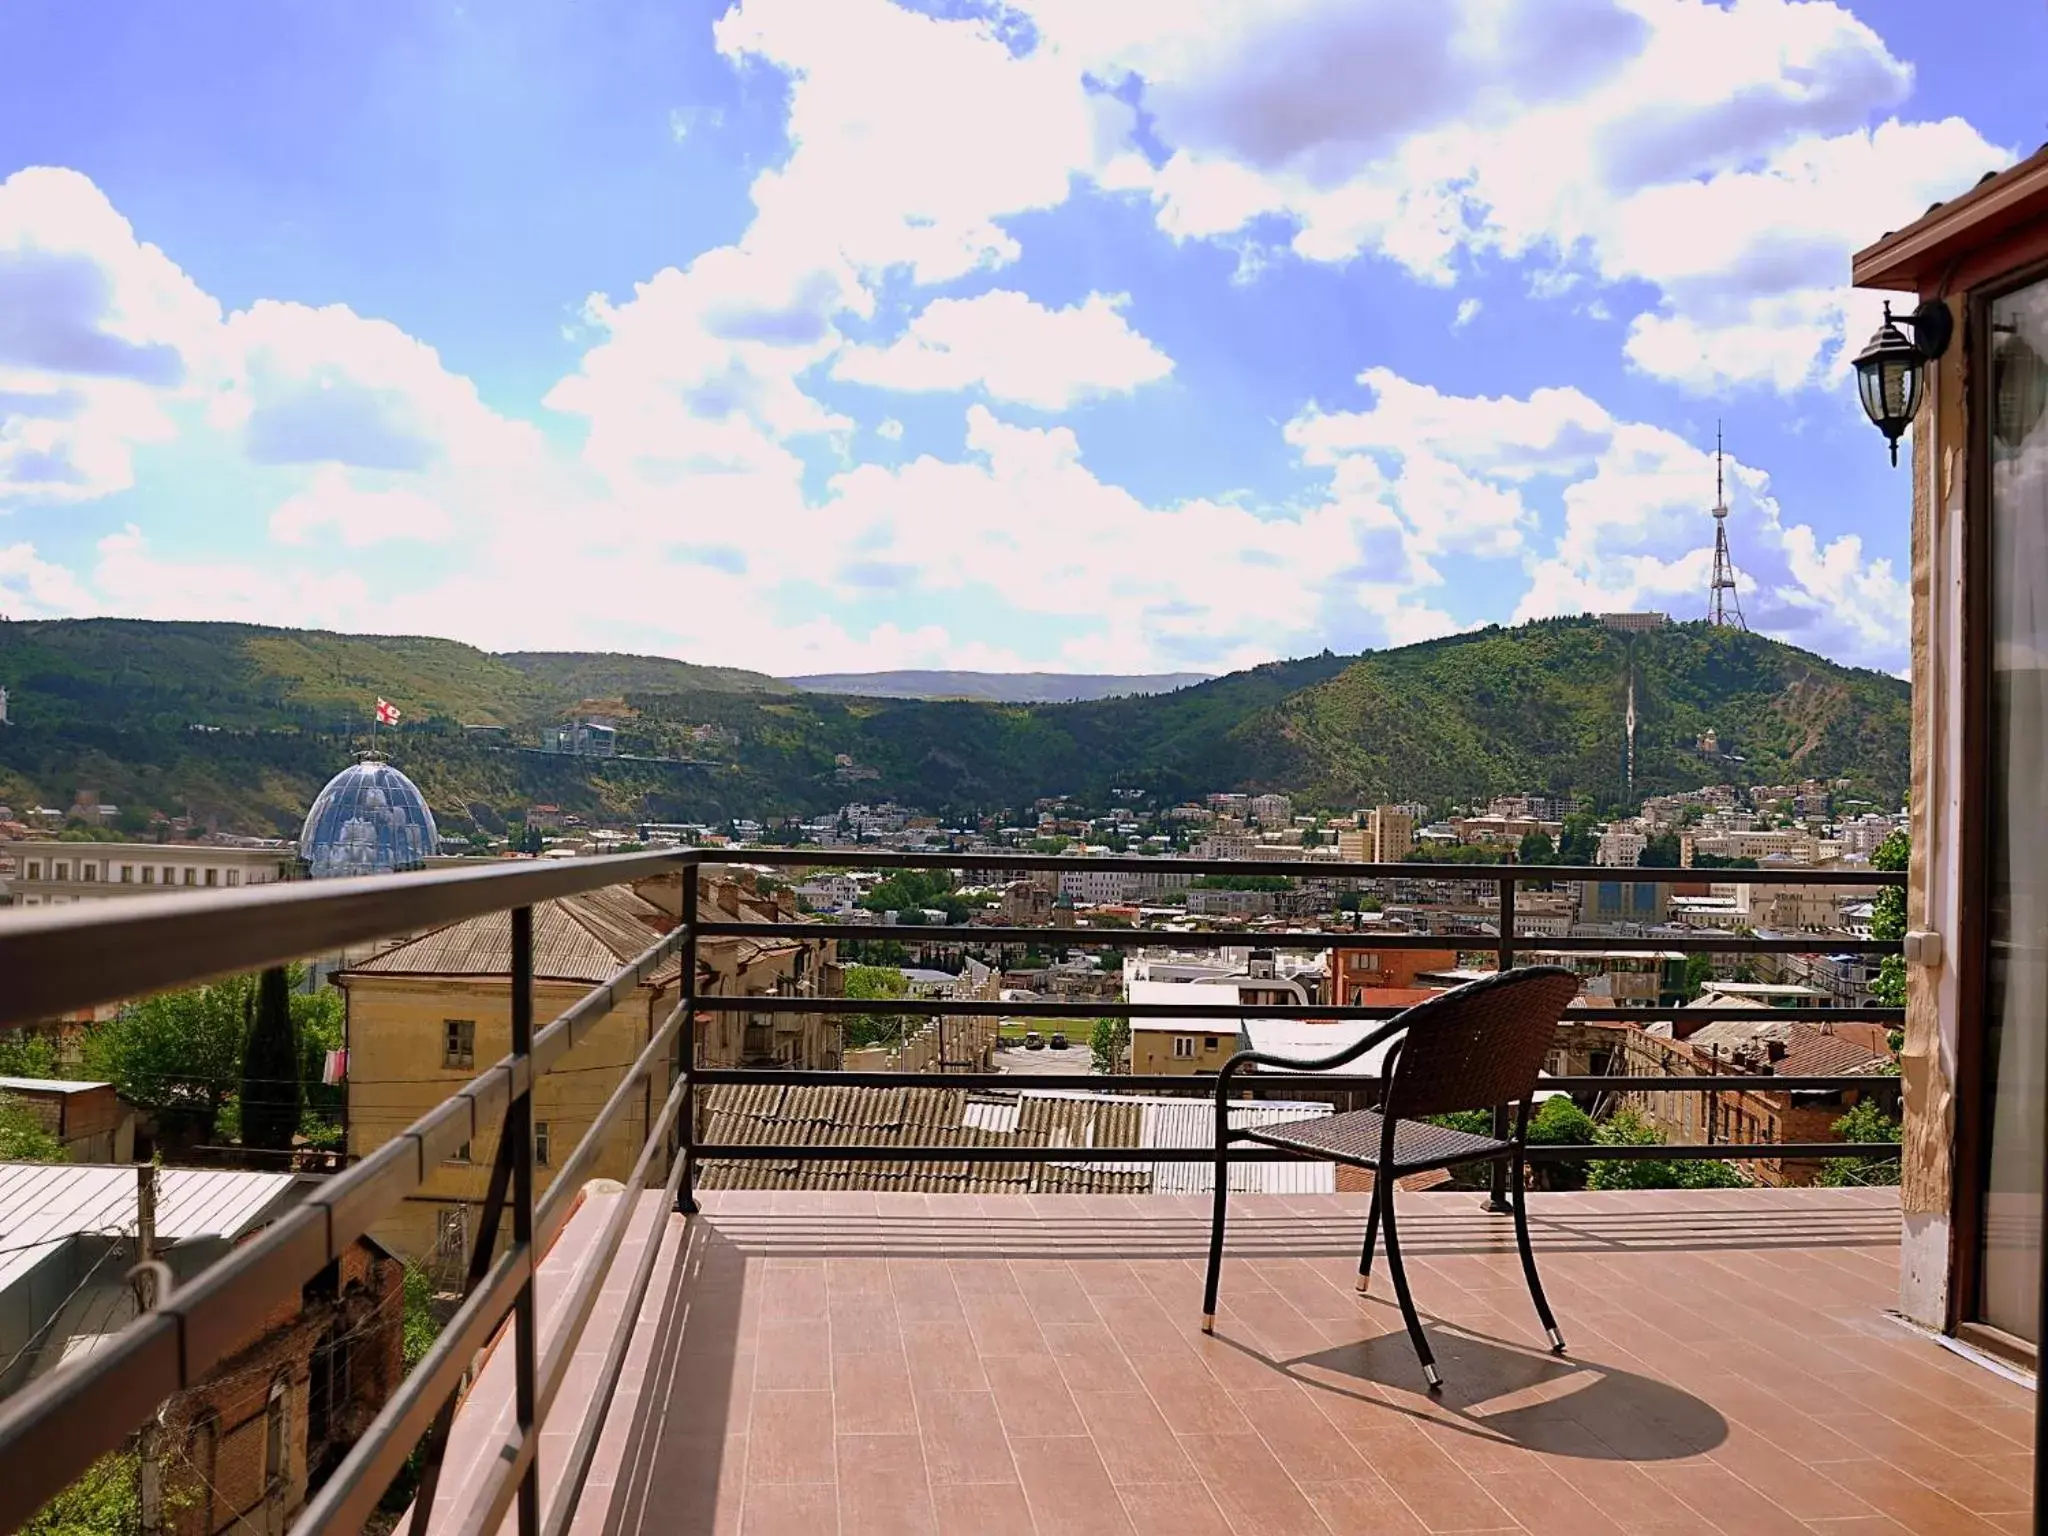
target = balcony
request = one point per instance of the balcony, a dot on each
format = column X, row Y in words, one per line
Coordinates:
column 681, row 1354
column 859, row 1362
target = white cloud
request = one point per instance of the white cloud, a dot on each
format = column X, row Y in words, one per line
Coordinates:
column 34, row 588
column 359, row 516
column 891, row 430
column 1731, row 157
column 100, row 334
column 1468, row 311
column 1015, row 349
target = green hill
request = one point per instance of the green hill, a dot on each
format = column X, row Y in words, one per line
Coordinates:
column 240, row 725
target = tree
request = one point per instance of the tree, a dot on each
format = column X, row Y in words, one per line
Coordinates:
column 1537, row 848
column 1699, row 970
column 1108, row 1042
column 874, row 983
column 1868, row 1121
column 1627, row 1128
column 272, row 1066
column 178, row 1055
column 1661, row 852
column 1888, row 921
column 105, row 1501
column 1580, row 842
column 320, row 1020
column 23, row 1137
column 25, row 1055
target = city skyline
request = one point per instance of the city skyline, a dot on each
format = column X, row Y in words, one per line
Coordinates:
column 1023, row 338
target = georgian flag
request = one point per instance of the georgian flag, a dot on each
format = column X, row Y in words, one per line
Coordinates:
column 387, row 712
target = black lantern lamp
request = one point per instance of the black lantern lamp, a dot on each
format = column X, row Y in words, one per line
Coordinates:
column 1888, row 371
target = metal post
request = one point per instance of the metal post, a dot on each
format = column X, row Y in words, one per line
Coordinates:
column 686, row 1114
column 519, row 1136
column 1496, row 1202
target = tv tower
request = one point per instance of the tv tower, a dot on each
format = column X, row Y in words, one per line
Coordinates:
column 1723, row 610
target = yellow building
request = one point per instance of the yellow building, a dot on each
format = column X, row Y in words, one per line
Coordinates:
column 427, row 1016
column 1387, row 837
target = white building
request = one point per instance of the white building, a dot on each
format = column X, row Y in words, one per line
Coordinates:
column 50, row 872
column 1621, row 848
column 1101, row 887
column 1271, row 810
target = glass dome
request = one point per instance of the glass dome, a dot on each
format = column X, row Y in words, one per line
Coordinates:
column 369, row 820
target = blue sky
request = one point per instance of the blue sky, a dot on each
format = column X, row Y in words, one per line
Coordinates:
column 1166, row 334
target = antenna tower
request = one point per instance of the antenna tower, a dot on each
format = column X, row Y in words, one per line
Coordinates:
column 1724, row 605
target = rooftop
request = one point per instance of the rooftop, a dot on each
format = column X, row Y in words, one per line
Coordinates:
column 876, row 1362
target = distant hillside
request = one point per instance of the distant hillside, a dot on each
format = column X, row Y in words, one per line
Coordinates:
column 997, row 687
column 112, row 705
column 132, row 673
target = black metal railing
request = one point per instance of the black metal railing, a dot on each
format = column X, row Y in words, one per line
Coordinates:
column 55, row 960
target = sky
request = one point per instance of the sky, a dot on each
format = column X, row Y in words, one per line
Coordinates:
column 829, row 335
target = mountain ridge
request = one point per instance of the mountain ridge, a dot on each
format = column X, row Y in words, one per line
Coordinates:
column 996, row 687
column 239, row 725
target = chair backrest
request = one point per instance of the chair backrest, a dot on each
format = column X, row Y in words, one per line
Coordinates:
column 1481, row 1045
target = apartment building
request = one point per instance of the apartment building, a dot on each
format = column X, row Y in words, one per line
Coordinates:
column 1357, row 973
column 1385, row 836
column 1621, row 848
column 52, row 871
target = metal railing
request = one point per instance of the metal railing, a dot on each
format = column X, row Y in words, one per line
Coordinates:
column 55, row 960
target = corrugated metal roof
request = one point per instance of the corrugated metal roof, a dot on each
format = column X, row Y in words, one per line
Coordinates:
column 43, row 1205
column 944, row 1117
column 1302, row 1041
column 582, row 938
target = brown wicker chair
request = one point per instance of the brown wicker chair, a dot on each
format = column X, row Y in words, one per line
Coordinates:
column 1480, row 1046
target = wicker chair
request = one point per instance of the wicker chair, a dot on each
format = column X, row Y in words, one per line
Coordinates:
column 1480, row 1046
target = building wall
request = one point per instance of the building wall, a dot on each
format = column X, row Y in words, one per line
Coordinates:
column 396, row 1039
column 1359, row 970
column 218, row 1443
column 48, row 872
column 1152, row 1050
column 93, row 1124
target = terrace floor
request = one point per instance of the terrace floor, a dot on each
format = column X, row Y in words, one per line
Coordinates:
column 858, row 1362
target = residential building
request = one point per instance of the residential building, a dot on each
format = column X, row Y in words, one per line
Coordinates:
column 53, row 871
column 1356, row 972
column 1385, row 835
column 93, row 1122
column 1098, row 887
column 1271, row 811
column 1623, row 903
column 1620, row 978
column 426, row 1017
column 1621, row 848
column 241, row 1449
column 1799, row 847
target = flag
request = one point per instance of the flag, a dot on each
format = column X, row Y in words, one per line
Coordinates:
column 387, row 712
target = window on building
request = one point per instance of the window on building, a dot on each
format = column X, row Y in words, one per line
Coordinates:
column 191, row 876
column 1208, row 1042
column 149, row 874
column 127, row 874
column 459, row 1155
column 276, row 1444
column 213, row 877
column 35, row 869
column 458, row 1048
column 234, row 877
column 202, row 1451
column 543, row 1148
column 452, row 1240
column 1184, row 1045
column 60, row 872
column 88, row 872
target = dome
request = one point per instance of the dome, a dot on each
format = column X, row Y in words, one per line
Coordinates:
column 369, row 820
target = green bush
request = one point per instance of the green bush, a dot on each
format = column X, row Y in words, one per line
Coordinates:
column 1868, row 1122
column 1627, row 1128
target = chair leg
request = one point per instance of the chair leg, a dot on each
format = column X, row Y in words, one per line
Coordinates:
column 1519, row 1197
column 1216, row 1246
column 1415, row 1333
column 1372, row 1228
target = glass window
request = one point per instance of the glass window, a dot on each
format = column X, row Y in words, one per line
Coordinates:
column 459, row 1044
column 88, row 872
column 234, row 877
column 149, row 874
column 459, row 1155
column 191, row 876
column 2016, row 968
column 61, row 872
column 127, row 874
column 35, row 869
column 543, row 1148
column 1184, row 1045
column 213, row 877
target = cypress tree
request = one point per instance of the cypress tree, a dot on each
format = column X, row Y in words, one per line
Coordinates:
column 272, row 1095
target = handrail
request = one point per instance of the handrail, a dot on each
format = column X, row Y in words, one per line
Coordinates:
column 54, row 960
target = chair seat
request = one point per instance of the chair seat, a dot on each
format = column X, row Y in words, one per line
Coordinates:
column 1355, row 1138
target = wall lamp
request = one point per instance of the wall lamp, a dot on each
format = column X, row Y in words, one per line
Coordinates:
column 1888, row 371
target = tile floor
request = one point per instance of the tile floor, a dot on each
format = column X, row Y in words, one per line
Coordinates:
column 867, row 1363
